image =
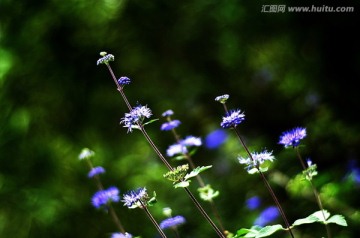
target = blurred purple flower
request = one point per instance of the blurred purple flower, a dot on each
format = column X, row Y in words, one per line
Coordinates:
column 215, row 138
column 253, row 202
column 167, row 126
column 105, row 196
column 95, row 171
column 172, row 222
column 268, row 215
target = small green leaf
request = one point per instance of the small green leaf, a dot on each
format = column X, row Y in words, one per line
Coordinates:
column 268, row 230
column 244, row 232
column 337, row 219
column 257, row 170
column 182, row 184
column 196, row 171
column 180, row 157
column 151, row 121
column 320, row 215
column 306, row 220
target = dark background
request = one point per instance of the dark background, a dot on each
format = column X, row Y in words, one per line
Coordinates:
column 283, row 69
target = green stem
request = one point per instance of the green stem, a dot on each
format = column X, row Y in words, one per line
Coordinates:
column 316, row 193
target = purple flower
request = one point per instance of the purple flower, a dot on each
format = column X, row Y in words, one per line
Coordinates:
column 181, row 147
column 253, row 202
column 95, row 171
column 168, row 113
column 137, row 115
column 293, row 137
column 167, row 126
column 105, row 59
column 191, row 141
column 267, row 215
column 232, row 119
column 131, row 198
column 172, row 222
column 257, row 159
column 103, row 197
column 176, row 149
column 123, row 81
column 215, row 138
column 121, row 235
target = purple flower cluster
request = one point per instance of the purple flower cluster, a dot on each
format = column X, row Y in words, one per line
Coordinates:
column 267, row 215
column 123, row 81
column 172, row 222
column 232, row 119
column 105, row 59
column 168, row 126
column 121, row 235
column 135, row 116
column 292, row 137
column 131, row 198
column 181, row 147
column 256, row 160
column 103, row 197
column 95, row 171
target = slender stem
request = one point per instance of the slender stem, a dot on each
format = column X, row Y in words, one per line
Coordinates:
column 152, row 219
column 177, row 235
column 316, row 193
column 111, row 209
column 197, row 204
column 199, row 179
column 266, row 184
column 162, row 158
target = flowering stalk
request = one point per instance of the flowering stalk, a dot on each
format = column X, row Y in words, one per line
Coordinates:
column 105, row 60
column 86, row 154
column 292, row 139
column 231, row 120
column 140, row 199
column 153, row 220
column 172, row 222
column 171, row 125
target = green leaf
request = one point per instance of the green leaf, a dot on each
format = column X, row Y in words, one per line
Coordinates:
column 196, row 171
column 180, row 157
column 315, row 217
column 257, row 170
column 182, row 184
column 268, row 230
column 244, row 232
column 151, row 121
column 337, row 219
column 320, row 214
column 306, row 220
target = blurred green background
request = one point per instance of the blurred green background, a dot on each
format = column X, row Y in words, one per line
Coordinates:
column 283, row 69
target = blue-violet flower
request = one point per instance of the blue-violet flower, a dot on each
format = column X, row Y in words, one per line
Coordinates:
column 267, row 215
column 168, row 113
column 105, row 58
column 292, row 137
column 123, row 81
column 168, row 126
column 103, row 197
column 131, row 199
column 256, row 160
column 135, row 116
column 121, row 235
column 172, row 222
column 232, row 119
column 95, row 171
column 215, row 138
